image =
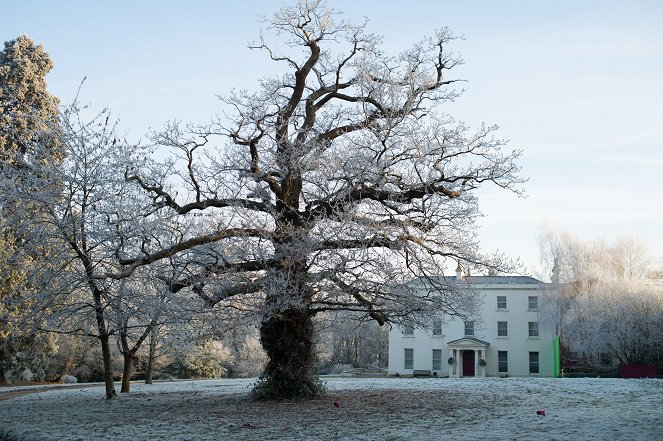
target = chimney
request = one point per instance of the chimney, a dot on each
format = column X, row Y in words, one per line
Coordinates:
column 555, row 272
column 459, row 272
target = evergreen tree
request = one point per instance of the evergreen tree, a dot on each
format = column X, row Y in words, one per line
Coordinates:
column 29, row 116
column 28, row 113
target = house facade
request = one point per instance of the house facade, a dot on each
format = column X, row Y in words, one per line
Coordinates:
column 507, row 338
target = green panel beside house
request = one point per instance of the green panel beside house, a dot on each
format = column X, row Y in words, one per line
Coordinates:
column 556, row 357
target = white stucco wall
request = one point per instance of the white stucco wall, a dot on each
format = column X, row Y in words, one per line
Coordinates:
column 517, row 344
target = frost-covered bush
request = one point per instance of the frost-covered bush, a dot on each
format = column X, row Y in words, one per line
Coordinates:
column 14, row 376
column 27, row 375
column 31, row 353
column 77, row 356
column 202, row 361
column 10, row 376
column 336, row 369
column 69, row 379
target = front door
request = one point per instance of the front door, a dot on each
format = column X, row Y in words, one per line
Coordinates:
column 468, row 363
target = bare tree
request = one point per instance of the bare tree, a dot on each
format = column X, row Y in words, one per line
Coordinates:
column 145, row 303
column 137, row 313
column 331, row 187
column 79, row 203
column 344, row 340
column 605, row 300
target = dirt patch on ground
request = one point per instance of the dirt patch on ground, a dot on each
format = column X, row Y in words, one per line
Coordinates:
column 355, row 414
column 5, row 395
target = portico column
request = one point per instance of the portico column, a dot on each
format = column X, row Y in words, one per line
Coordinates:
column 455, row 365
column 482, row 355
column 476, row 362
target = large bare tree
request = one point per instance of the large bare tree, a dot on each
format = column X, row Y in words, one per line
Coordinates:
column 330, row 188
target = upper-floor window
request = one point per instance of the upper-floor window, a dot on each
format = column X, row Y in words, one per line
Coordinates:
column 437, row 326
column 533, row 329
column 502, row 330
column 533, row 303
column 469, row 328
column 501, row 302
column 408, row 328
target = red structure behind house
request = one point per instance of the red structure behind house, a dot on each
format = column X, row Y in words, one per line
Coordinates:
column 637, row 371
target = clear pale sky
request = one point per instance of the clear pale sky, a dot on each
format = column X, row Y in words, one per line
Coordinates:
column 578, row 85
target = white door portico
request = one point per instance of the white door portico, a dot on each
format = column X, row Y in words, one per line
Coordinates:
column 465, row 354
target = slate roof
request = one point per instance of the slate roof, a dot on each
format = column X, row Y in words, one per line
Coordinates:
column 491, row 280
column 503, row 280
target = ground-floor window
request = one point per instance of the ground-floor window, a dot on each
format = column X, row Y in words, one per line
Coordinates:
column 502, row 361
column 437, row 359
column 409, row 358
column 533, row 362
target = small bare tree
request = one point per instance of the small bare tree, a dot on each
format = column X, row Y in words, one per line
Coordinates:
column 338, row 183
column 78, row 203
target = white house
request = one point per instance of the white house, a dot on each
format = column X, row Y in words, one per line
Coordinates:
column 507, row 337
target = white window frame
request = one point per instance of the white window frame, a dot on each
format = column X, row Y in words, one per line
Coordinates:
column 436, row 327
column 408, row 360
column 530, row 302
column 504, row 332
column 408, row 328
column 503, row 363
column 534, row 365
column 469, row 325
column 533, row 329
column 437, row 362
column 498, row 303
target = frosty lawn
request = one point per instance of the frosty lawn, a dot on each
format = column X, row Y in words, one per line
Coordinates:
column 370, row 409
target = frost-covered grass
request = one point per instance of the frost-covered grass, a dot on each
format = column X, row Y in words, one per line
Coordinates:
column 371, row 409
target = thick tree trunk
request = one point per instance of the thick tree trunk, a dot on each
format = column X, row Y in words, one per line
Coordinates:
column 108, row 366
column 287, row 337
column 126, row 372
